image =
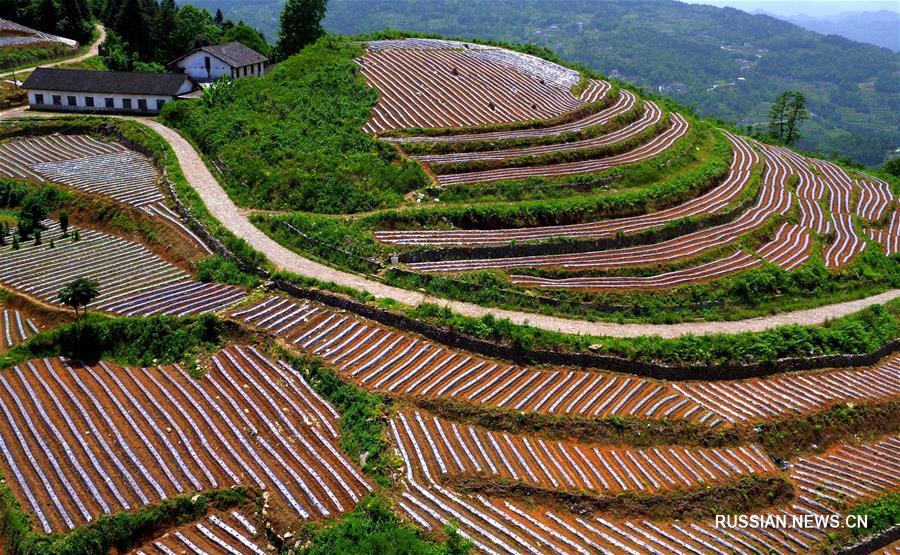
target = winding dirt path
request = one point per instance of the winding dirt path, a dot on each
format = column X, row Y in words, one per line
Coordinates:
column 235, row 219
column 221, row 206
column 93, row 50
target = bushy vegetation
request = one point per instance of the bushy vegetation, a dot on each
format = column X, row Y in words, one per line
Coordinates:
column 17, row 56
column 222, row 270
column 293, row 138
column 121, row 531
column 67, row 18
column 144, row 341
column 363, row 417
column 883, row 512
column 373, row 529
column 863, row 332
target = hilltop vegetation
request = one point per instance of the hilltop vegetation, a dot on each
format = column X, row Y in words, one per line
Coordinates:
column 293, row 139
column 851, row 87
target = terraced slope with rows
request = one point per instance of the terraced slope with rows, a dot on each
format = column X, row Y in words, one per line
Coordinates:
column 85, row 163
column 15, row 328
column 497, row 525
column 425, row 83
column 384, row 359
column 132, row 280
column 230, row 533
column 79, row 441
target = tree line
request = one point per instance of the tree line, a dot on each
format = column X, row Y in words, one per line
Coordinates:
column 67, row 18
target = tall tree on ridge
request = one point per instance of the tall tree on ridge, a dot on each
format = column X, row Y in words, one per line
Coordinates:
column 301, row 24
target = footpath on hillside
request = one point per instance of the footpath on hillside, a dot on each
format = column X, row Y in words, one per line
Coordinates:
column 223, row 209
column 93, row 50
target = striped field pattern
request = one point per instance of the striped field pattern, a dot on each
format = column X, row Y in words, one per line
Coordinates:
column 229, row 533
column 502, row 526
column 457, row 449
column 383, row 359
column 440, row 87
column 79, row 441
column 15, row 328
column 133, row 281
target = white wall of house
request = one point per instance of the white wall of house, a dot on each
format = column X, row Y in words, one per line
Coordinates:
column 195, row 66
column 45, row 99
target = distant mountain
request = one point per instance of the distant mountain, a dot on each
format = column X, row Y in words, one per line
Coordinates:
column 881, row 28
column 725, row 62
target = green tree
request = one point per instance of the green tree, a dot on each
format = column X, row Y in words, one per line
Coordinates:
column 75, row 19
column 164, row 31
column 796, row 114
column 776, row 115
column 134, row 23
column 301, row 24
column 785, row 116
column 79, row 293
column 248, row 36
column 64, row 222
column 892, row 166
column 194, row 28
column 35, row 207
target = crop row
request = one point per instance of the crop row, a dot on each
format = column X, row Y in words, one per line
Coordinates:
column 458, row 449
column 676, row 129
column 132, row 280
column 594, row 93
column 18, row 156
column 773, row 200
column 651, row 116
column 127, row 177
column 16, row 328
column 79, row 441
column 789, row 249
column 502, row 526
column 446, row 88
column 889, row 237
column 229, row 534
column 743, row 160
column 384, row 359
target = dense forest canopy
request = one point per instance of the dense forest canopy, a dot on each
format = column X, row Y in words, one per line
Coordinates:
column 725, row 62
column 66, row 18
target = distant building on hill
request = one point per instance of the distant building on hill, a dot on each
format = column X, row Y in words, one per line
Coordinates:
column 13, row 34
column 81, row 90
column 232, row 59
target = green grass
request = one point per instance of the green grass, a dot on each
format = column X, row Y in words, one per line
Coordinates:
column 137, row 341
column 373, row 528
column 293, row 139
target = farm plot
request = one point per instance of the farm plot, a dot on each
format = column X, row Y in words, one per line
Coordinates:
column 383, row 359
column 773, row 200
column 623, row 103
column 133, row 281
column 747, row 401
column 425, row 86
column 120, row 438
column 744, row 159
column 18, row 156
column 790, row 248
column 452, row 449
column 496, row 525
column 847, row 243
column 15, row 328
column 651, row 116
column 889, row 238
column 232, row 533
column 127, row 177
column 678, row 126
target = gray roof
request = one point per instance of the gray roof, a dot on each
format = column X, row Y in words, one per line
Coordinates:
column 114, row 82
column 235, row 54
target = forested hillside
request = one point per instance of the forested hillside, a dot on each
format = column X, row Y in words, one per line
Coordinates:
column 727, row 63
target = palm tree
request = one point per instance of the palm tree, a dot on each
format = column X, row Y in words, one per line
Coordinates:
column 79, row 293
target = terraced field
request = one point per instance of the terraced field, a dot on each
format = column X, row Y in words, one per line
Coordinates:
column 133, row 281
column 85, row 163
column 79, row 441
column 384, row 359
column 15, row 328
column 232, row 533
column 497, row 525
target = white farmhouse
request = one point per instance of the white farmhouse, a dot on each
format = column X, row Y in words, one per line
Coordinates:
column 81, row 90
column 232, row 59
